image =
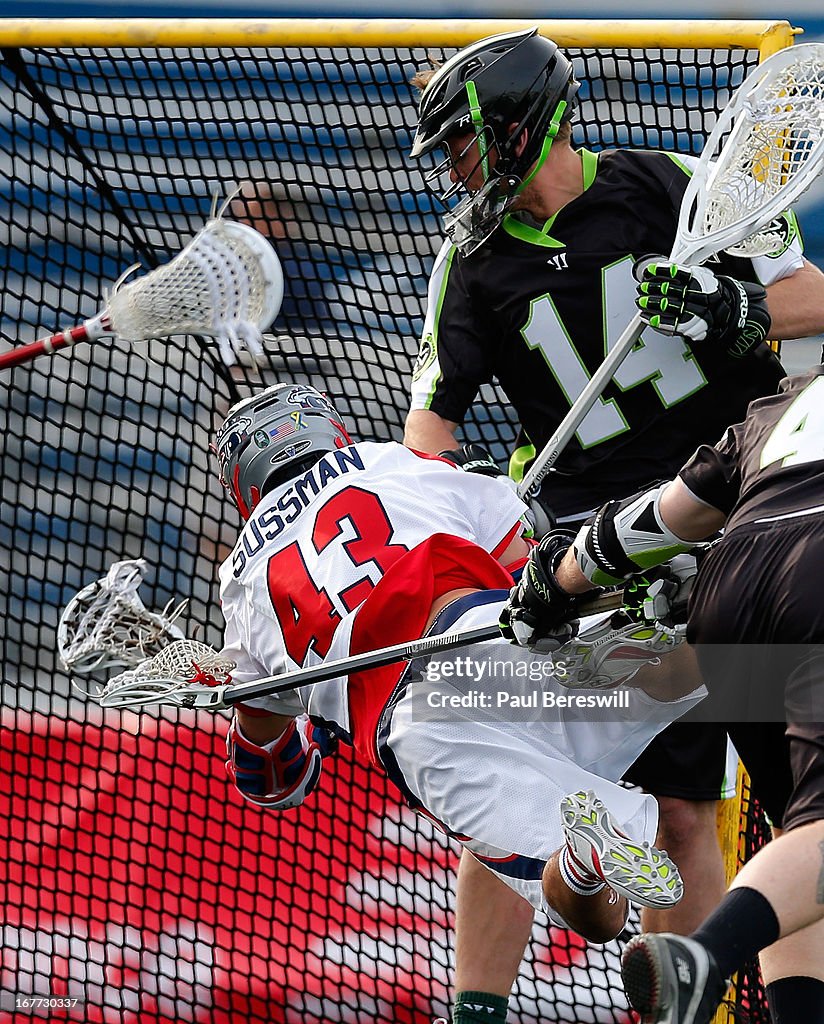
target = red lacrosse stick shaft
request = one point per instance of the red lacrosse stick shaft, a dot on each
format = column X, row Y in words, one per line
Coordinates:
column 88, row 331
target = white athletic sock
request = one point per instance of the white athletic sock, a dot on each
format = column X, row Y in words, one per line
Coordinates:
column 576, row 876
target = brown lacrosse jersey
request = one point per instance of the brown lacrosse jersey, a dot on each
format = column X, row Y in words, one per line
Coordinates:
column 770, row 468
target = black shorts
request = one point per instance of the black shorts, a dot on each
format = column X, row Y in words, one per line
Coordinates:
column 757, row 622
column 686, row 760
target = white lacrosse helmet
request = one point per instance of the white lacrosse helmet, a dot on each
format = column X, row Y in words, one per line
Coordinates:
column 274, row 436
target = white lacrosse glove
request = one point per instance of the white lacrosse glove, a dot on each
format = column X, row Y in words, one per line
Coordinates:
column 540, row 516
column 653, row 623
column 282, row 773
column 665, row 599
column 698, row 305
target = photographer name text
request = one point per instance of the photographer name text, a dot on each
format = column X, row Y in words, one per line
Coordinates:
column 484, row 699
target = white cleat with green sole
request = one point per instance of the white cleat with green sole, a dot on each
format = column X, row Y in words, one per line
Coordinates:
column 640, row 872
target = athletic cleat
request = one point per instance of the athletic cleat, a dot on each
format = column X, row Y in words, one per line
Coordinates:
column 669, row 979
column 610, row 652
column 644, row 875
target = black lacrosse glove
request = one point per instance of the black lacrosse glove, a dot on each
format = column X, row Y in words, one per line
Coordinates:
column 698, row 305
column 540, row 615
column 472, row 458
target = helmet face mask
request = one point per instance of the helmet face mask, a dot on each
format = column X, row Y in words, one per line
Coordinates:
column 509, row 94
column 475, row 200
column 274, row 436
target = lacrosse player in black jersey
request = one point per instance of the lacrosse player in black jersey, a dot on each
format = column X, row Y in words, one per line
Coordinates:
column 757, row 625
column 536, row 279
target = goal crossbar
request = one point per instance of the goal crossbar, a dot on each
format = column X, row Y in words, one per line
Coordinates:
column 762, row 35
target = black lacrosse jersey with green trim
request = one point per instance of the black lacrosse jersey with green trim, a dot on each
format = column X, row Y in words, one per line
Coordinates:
column 770, row 468
column 538, row 310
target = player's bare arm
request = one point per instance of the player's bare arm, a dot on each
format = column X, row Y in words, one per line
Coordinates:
column 685, row 515
column 607, row 550
column 426, row 431
column 796, row 304
column 680, row 512
column 610, row 549
column 262, row 728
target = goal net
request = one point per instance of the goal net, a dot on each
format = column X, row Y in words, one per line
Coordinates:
column 134, row 880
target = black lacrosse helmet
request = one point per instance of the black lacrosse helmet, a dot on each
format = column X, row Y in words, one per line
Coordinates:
column 518, row 78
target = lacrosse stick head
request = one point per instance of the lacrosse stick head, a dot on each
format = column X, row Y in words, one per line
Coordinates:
column 186, row 673
column 106, row 625
column 764, row 152
column 226, row 284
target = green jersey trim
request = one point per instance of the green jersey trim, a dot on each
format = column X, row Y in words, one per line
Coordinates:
column 589, row 166
column 678, row 163
column 428, row 352
column 534, row 236
column 541, row 236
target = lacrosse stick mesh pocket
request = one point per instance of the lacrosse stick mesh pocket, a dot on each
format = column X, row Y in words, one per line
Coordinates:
column 180, row 664
column 106, row 624
column 227, row 281
column 783, row 126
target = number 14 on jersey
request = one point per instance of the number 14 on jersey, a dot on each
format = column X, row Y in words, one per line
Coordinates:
column 665, row 362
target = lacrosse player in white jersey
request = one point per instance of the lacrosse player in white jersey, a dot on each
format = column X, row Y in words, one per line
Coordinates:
column 350, row 547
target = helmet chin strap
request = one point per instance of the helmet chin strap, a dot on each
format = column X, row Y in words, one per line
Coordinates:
column 478, row 124
column 549, row 138
column 483, row 209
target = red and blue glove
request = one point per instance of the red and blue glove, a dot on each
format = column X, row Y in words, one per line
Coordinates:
column 283, row 772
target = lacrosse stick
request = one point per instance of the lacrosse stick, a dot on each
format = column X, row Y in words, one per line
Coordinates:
column 226, row 284
column 106, row 625
column 189, row 674
column 774, row 147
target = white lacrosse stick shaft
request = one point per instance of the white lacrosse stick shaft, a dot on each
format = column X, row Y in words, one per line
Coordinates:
column 696, row 244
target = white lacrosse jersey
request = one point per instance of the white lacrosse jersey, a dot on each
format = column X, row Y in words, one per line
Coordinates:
column 315, row 549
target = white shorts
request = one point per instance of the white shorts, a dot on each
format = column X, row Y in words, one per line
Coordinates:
column 493, row 776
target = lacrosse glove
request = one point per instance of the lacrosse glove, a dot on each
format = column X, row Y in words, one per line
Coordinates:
column 282, row 773
column 472, row 458
column 539, row 614
column 698, row 305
